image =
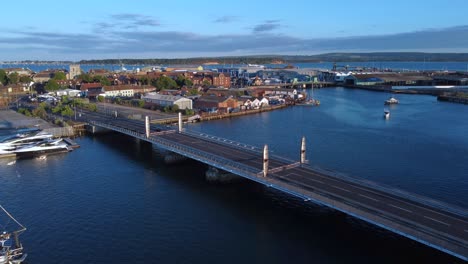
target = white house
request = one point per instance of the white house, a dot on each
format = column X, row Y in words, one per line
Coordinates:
column 113, row 91
column 264, row 102
column 69, row 92
column 255, row 103
column 168, row 100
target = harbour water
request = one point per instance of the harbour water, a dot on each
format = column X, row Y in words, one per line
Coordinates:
column 395, row 65
column 115, row 201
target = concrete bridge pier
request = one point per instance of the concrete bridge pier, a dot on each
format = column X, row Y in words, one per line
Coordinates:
column 216, row 175
column 97, row 130
column 172, row 158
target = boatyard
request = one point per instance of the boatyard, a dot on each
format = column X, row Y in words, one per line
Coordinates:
column 27, row 137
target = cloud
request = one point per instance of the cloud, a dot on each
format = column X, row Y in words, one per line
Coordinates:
column 126, row 21
column 226, row 19
column 152, row 43
column 269, row 25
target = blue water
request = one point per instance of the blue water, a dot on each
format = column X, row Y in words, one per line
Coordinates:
column 115, row 201
column 395, row 65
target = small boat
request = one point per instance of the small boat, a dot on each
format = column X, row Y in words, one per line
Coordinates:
column 310, row 102
column 386, row 114
column 11, row 250
column 391, row 100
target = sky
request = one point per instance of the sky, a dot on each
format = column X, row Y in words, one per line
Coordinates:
column 101, row 29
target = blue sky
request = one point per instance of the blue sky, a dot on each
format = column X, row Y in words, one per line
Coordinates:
column 84, row 29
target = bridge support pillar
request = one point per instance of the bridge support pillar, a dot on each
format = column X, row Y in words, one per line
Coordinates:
column 216, row 175
column 147, row 126
column 265, row 161
column 180, row 122
column 303, row 151
column 174, row 158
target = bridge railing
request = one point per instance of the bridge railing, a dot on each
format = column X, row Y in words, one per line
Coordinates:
column 238, row 145
column 393, row 191
column 223, row 141
column 204, row 156
column 184, row 150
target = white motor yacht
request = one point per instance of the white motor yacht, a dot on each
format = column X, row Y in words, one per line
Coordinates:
column 391, row 100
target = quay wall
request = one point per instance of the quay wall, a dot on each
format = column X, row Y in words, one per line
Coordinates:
column 207, row 117
column 453, row 99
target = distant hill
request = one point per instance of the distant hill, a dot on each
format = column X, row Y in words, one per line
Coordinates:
column 287, row 59
column 277, row 59
column 379, row 56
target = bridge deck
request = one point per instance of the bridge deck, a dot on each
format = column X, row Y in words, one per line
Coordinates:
column 426, row 221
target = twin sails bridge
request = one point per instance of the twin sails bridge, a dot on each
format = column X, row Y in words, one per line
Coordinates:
column 433, row 223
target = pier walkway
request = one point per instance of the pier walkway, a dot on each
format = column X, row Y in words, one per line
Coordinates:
column 430, row 222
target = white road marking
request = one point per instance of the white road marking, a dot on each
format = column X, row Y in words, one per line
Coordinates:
column 400, row 208
column 340, row 188
column 316, row 180
column 437, row 221
column 370, row 198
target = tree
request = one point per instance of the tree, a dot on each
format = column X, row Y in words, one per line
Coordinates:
column 13, row 78
column 189, row 112
column 57, row 109
column 59, row 76
column 100, row 98
column 183, row 81
column 67, row 111
column 52, row 85
column 3, row 77
column 43, row 105
column 144, row 80
column 101, row 79
column 25, row 79
column 24, row 111
column 77, row 102
column 138, row 103
column 39, row 112
column 171, row 108
column 193, row 91
column 85, row 78
column 206, row 83
column 164, row 82
column 91, row 107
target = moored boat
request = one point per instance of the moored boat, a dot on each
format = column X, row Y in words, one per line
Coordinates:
column 41, row 149
column 391, row 100
column 386, row 114
column 11, row 250
column 310, row 102
column 32, row 145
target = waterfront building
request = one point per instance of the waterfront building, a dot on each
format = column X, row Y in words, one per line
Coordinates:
column 214, row 104
column 19, row 71
column 168, row 100
column 220, row 79
column 42, row 77
column 388, row 79
column 91, row 89
column 125, row 90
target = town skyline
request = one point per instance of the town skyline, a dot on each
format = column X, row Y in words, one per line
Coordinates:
column 49, row 30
